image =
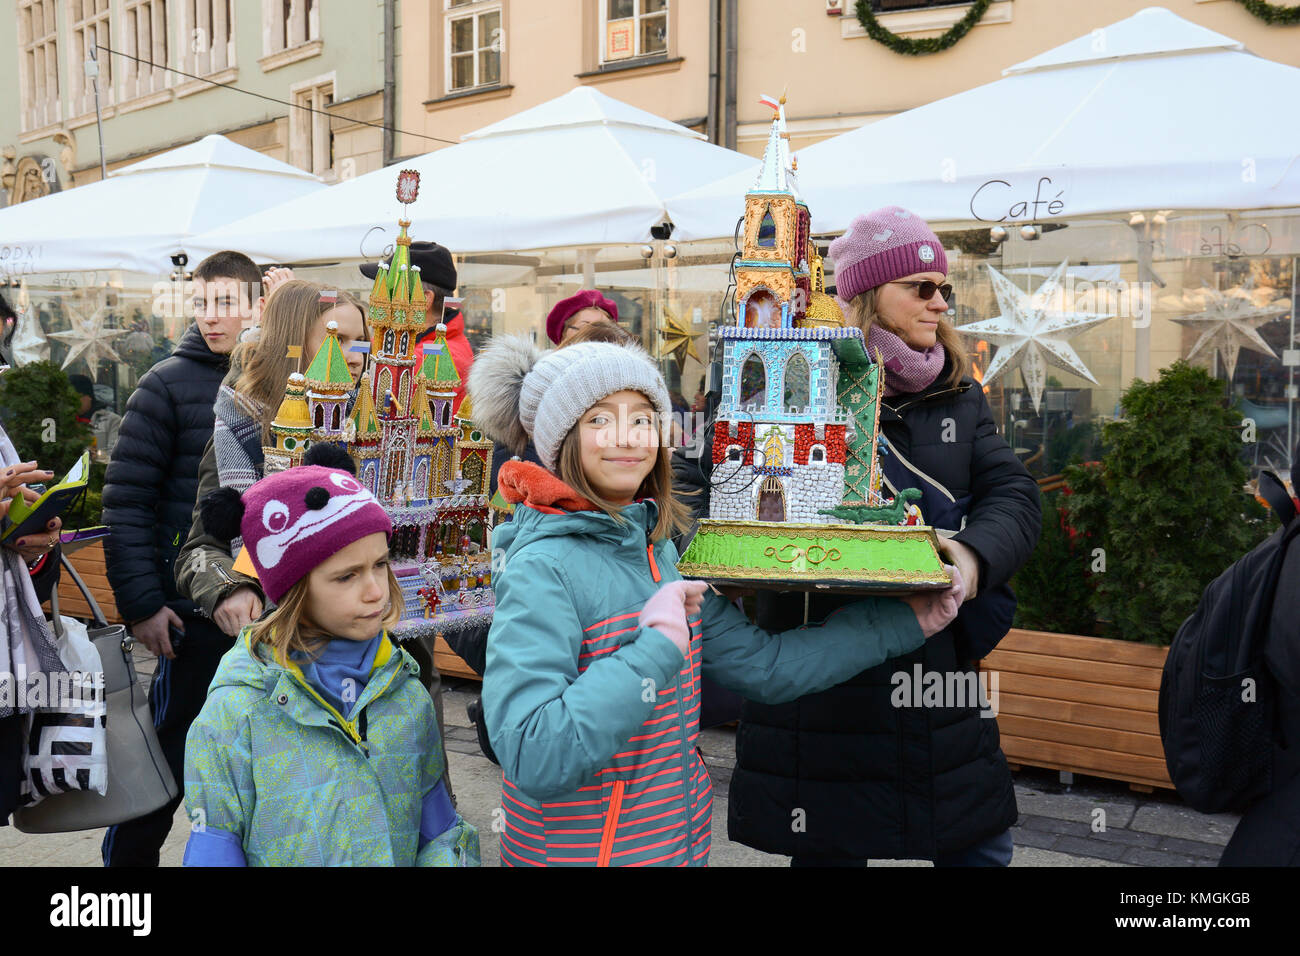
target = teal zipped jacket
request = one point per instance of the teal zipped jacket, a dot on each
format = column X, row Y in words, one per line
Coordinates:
column 285, row 779
column 595, row 718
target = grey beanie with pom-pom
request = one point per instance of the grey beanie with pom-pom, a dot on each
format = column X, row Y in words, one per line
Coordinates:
column 520, row 393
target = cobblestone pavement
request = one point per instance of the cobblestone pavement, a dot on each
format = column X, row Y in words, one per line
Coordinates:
column 1089, row 823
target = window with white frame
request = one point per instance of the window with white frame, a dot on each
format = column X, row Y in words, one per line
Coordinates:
column 632, row 28
column 289, row 23
column 39, row 69
column 474, row 43
column 208, row 32
column 89, row 22
column 311, row 140
column 144, row 40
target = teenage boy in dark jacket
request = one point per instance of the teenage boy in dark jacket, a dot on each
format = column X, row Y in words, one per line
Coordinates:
column 149, row 493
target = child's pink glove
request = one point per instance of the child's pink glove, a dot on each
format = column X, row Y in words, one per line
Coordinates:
column 935, row 610
column 668, row 609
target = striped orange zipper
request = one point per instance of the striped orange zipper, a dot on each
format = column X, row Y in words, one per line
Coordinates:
column 611, row 825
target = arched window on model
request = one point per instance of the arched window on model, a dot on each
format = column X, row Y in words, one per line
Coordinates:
column 817, row 455
column 762, row 310
column 767, row 230
column 753, row 381
column 798, row 376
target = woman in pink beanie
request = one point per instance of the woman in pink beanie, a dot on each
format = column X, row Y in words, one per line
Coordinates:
column 882, row 775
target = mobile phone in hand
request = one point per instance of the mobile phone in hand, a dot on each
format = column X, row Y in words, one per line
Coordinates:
column 176, row 636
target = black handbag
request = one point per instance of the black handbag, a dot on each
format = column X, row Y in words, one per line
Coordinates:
column 139, row 780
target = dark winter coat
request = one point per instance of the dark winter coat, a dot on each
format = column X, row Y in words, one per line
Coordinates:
column 872, row 779
column 1269, row 832
column 153, row 477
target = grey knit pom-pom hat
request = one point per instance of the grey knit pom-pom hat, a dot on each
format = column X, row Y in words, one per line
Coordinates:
column 519, row 393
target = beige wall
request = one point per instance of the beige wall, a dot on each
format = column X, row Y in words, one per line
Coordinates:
column 844, row 82
column 550, row 48
column 835, row 77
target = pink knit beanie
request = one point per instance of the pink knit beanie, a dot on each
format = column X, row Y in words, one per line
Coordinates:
column 882, row 246
column 294, row 520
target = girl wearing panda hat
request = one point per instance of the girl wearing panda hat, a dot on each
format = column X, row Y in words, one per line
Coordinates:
column 317, row 745
column 591, row 689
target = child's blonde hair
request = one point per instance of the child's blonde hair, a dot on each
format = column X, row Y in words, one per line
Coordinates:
column 289, row 626
column 674, row 517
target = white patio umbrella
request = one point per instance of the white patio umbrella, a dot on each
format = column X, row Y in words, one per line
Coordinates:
column 142, row 214
column 1151, row 112
column 581, row 169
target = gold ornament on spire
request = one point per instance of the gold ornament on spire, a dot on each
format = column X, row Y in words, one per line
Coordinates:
column 823, row 311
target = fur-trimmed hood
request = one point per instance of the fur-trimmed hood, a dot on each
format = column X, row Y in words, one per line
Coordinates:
column 495, row 381
column 520, row 393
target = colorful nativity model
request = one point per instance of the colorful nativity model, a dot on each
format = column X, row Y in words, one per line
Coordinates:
column 428, row 465
column 797, row 496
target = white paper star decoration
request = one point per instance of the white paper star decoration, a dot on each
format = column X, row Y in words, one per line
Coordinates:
column 1032, row 330
column 90, row 339
column 1230, row 322
column 29, row 343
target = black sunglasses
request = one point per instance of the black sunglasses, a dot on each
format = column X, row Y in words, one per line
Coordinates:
column 927, row 289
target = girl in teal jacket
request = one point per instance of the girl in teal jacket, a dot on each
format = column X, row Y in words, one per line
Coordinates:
column 317, row 745
column 591, row 689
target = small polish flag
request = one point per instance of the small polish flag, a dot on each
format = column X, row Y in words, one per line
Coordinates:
column 771, row 101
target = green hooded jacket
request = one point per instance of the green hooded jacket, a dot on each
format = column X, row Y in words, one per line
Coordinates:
column 271, row 763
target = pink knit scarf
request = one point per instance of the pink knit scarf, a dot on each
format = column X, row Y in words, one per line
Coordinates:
column 907, row 370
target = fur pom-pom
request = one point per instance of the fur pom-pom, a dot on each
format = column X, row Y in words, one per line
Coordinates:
column 221, row 511
column 330, row 455
column 495, row 381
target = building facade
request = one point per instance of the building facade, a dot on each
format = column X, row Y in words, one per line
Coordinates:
column 298, row 80
column 467, row 63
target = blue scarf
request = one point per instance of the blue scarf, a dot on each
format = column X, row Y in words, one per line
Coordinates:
column 340, row 670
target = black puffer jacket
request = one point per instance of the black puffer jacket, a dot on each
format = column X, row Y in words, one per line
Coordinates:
column 153, row 477
column 1269, row 832
column 872, row 779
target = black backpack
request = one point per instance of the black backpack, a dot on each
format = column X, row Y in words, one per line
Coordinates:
column 1217, row 697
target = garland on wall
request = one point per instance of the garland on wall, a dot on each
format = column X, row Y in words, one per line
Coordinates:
column 898, row 44
column 1270, row 12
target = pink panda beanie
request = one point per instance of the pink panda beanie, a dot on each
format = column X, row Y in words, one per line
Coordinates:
column 294, row 520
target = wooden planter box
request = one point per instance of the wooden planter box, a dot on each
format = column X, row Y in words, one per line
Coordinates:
column 1081, row 704
column 89, row 563
column 449, row 662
